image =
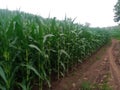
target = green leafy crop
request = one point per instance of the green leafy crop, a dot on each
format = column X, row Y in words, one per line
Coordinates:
column 33, row 50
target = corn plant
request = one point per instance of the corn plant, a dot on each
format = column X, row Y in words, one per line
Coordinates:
column 35, row 50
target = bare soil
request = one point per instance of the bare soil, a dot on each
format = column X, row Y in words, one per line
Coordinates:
column 99, row 69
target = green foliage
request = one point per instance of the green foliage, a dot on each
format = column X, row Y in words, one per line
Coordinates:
column 33, row 48
column 114, row 32
column 117, row 11
column 88, row 86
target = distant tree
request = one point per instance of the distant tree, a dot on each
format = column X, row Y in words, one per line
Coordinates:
column 87, row 24
column 117, row 11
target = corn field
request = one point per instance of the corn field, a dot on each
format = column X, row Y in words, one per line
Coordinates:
column 33, row 50
column 114, row 32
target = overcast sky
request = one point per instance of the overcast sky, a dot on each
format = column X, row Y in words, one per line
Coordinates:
column 96, row 12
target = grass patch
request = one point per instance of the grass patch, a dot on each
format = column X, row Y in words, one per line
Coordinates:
column 86, row 85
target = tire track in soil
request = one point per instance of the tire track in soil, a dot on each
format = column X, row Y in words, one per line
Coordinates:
column 114, row 69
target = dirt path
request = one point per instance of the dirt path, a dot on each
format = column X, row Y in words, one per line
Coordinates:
column 114, row 52
column 99, row 72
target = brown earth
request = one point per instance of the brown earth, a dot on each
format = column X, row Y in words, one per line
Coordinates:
column 100, row 70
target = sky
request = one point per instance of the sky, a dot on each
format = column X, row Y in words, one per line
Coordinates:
column 99, row 13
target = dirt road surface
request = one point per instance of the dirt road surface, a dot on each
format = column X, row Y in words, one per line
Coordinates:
column 100, row 69
column 114, row 59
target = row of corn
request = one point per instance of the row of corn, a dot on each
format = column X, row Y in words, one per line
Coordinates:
column 35, row 50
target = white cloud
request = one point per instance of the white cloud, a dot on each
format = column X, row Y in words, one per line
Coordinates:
column 96, row 12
